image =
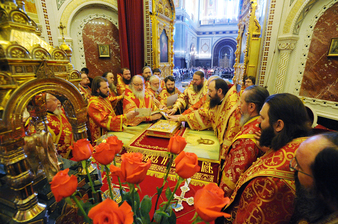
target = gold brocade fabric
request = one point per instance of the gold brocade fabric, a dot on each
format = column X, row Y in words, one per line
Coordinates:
column 86, row 91
column 121, row 86
column 243, row 152
column 189, row 97
column 61, row 131
column 164, row 95
column 130, row 103
column 102, row 117
column 224, row 119
column 266, row 191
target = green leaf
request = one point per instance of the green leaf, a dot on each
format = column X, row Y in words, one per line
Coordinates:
column 139, row 220
column 198, row 219
column 162, row 213
column 137, row 200
column 167, row 193
column 146, row 218
column 172, row 217
column 159, row 190
column 145, row 205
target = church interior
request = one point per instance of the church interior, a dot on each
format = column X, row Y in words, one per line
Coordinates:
column 288, row 46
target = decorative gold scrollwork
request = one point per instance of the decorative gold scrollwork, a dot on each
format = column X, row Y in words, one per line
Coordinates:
column 19, row 19
column 59, row 56
column 40, row 55
column 17, row 53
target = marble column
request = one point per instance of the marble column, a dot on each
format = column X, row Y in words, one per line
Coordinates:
column 286, row 44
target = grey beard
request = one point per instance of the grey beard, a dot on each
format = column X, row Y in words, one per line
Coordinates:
column 138, row 94
column 244, row 118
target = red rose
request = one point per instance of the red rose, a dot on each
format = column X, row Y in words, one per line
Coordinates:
column 176, row 144
column 115, row 143
column 116, row 171
column 82, row 150
column 209, row 202
column 186, row 164
column 104, row 154
column 63, row 185
column 133, row 169
column 108, row 212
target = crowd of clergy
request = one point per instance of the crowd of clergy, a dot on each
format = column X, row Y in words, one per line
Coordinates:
column 273, row 169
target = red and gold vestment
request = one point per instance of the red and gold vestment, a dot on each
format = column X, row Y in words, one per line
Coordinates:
column 202, row 103
column 265, row 192
column 87, row 92
column 61, row 131
column 102, row 117
column 130, row 103
column 224, row 119
column 243, row 152
column 120, row 86
column 164, row 95
column 189, row 97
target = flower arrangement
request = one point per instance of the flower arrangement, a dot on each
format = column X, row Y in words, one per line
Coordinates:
column 208, row 201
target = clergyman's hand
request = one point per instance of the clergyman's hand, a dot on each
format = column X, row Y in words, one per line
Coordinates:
column 172, row 111
column 131, row 114
column 155, row 117
column 173, row 118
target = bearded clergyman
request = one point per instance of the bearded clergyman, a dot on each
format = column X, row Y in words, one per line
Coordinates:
column 136, row 96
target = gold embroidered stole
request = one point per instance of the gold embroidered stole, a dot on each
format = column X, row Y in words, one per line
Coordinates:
column 271, row 164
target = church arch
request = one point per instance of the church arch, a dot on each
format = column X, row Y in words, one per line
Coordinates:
column 19, row 99
column 299, row 58
column 80, row 54
column 224, row 44
column 71, row 9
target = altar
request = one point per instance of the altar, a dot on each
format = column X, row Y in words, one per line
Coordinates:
column 203, row 143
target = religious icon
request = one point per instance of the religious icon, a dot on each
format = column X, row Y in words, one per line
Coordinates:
column 104, row 50
column 333, row 51
column 163, row 47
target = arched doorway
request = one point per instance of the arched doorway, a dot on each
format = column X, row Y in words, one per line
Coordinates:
column 224, row 53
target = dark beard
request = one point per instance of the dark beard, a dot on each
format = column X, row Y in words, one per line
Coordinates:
column 307, row 205
column 197, row 88
column 214, row 101
column 266, row 137
column 171, row 91
column 127, row 82
column 103, row 95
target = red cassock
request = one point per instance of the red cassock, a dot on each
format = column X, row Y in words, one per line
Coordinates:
column 61, row 131
column 102, row 117
column 243, row 152
column 265, row 192
column 130, row 103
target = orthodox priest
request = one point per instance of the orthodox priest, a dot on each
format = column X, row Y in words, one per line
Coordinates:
column 191, row 95
column 136, row 96
column 102, row 117
column 222, row 114
column 265, row 192
column 123, row 80
column 244, row 148
column 59, row 126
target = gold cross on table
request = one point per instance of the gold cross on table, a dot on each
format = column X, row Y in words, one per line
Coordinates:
column 184, row 189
